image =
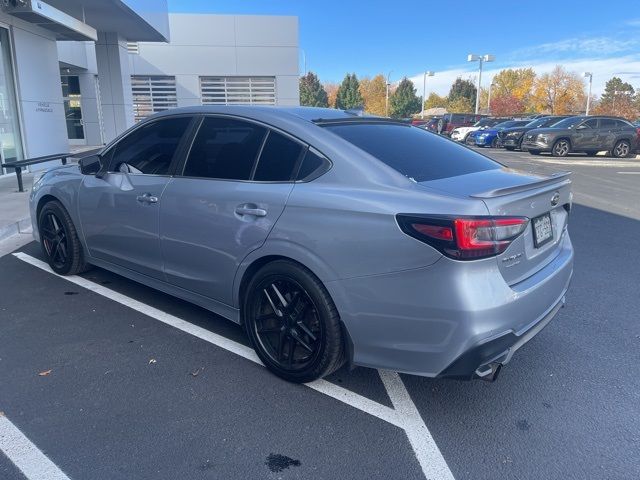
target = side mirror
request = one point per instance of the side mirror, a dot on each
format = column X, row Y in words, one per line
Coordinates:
column 90, row 165
column 581, row 127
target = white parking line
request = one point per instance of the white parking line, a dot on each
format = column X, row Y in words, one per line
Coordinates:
column 629, row 173
column 404, row 415
column 25, row 455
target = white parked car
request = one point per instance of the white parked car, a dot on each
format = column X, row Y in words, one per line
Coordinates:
column 460, row 134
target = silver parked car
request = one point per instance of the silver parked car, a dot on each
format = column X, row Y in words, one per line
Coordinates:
column 331, row 237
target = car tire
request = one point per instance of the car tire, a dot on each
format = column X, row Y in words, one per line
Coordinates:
column 561, row 148
column 622, row 149
column 494, row 143
column 59, row 240
column 534, row 152
column 288, row 313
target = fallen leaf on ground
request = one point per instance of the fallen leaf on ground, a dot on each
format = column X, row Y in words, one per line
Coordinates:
column 153, row 360
column 196, row 372
column 45, row 373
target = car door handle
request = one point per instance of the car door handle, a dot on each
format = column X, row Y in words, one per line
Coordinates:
column 256, row 212
column 147, row 198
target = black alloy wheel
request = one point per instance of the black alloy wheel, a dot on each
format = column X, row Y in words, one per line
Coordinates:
column 59, row 239
column 622, row 149
column 292, row 322
column 54, row 240
column 561, row 148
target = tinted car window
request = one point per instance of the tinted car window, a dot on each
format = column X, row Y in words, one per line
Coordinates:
column 224, row 148
column 592, row 123
column 607, row 123
column 623, row 124
column 278, row 159
column 413, row 152
column 568, row 122
column 312, row 165
column 150, row 148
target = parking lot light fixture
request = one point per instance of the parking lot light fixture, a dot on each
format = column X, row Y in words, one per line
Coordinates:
column 428, row 73
column 588, row 75
column 472, row 57
column 489, row 99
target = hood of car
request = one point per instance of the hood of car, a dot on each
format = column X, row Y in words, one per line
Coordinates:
column 515, row 129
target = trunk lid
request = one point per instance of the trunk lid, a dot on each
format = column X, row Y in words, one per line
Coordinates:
column 508, row 192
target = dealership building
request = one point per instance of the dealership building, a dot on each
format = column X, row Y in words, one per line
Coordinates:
column 80, row 73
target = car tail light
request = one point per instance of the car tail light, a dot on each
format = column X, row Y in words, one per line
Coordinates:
column 464, row 238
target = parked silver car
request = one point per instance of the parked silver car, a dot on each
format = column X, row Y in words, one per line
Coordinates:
column 332, row 238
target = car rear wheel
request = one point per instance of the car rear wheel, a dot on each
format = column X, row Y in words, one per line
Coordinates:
column 292, row 322
column 59, row 240
column 561, row 148
column 622, row 149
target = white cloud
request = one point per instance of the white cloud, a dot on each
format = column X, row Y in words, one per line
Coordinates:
column 626, row 67
column 582, row 46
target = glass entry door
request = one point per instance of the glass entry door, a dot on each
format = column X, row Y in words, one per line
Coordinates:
column 73, row 109
column 10, row 140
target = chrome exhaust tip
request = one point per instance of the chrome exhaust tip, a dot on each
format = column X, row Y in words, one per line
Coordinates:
column 489, row 372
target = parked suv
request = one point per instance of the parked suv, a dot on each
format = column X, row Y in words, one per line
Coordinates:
column 583, row 134
column 489, row 137
column 511, row 138
column 451, row 121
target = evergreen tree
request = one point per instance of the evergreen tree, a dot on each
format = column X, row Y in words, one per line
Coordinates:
column 463, row 89
column 615, row 85
column 404, row 102
column 312, row 94
column 349, row 93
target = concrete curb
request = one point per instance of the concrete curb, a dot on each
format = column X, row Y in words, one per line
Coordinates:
column 21, row 226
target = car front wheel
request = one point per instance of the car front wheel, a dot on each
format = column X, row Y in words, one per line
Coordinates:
column 561, row 148
column 59, row 240
column 292, row 322
column 622, row 149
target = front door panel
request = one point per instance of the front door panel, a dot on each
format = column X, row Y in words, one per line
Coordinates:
column 120, row 217
column 207, row 227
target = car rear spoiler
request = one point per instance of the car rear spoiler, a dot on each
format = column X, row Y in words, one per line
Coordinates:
column 555, row 180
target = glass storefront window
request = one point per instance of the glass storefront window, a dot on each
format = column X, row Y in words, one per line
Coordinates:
column 10, row 140
column 72, row 106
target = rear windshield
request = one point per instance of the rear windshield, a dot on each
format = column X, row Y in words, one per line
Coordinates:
column 414, row 152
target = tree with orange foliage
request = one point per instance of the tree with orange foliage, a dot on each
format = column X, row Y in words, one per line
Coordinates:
column 374, row 91
column 332, row 93
column 559, row 92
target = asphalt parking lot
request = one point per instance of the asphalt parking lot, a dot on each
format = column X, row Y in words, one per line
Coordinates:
column 112, row 380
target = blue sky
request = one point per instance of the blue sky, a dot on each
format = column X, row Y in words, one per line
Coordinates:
column 370, row 37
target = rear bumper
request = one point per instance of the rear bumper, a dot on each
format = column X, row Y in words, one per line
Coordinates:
column 451, row 319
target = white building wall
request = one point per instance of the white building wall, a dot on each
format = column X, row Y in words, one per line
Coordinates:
column 39, row 96
column 224, row 45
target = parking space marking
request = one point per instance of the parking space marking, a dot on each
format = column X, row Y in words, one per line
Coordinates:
column 25, row 455
column 404, row 415
column 629, row 173
column 589, row 163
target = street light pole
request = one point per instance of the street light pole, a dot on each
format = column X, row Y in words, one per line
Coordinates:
column 424, row 90
column 472, row 57
column 590, row 75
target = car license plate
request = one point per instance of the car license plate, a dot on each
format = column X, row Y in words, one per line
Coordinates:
column 542, row 230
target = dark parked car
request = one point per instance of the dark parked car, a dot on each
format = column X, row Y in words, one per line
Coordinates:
column 511, row 138
column 451, row 121
column 489, row 137
column 583, row 134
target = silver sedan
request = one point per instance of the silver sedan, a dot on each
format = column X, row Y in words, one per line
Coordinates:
column 330, row 237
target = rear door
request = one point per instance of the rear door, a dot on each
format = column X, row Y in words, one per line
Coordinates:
column 119, row 212
column 224, row 202
column 608, row 131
